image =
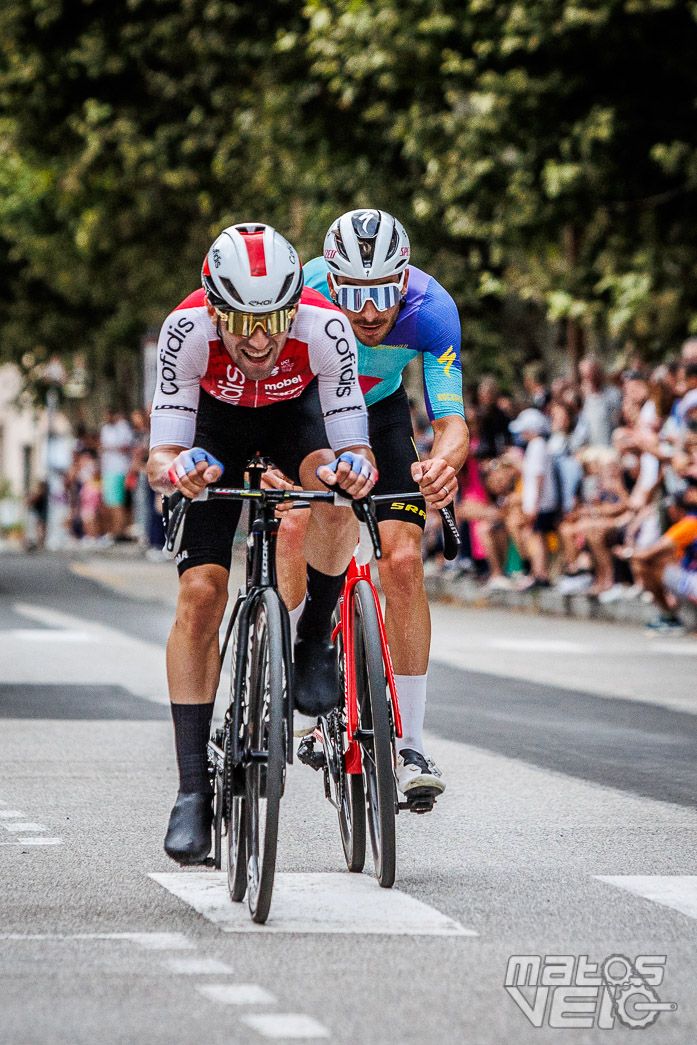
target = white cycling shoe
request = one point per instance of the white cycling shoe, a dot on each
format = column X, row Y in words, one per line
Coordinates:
column 417, row 776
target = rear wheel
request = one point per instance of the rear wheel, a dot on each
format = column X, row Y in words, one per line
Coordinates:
column 375, row 733
column 264, row 753
column 352, row 821
column 237, row 850
column 349, row 786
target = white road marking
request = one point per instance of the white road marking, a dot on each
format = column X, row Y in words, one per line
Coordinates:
column 42, row 635
column 676, row 891
column 41, row 840
column 285, row 1025
column 53, row 618
column 314, row 903
column 34, row 840
column 236, row 993
column 537, row 645
column 197, row 966
column 158, row 941
column 149, row 941
column 23, row 826
column 11, row 814
column 676, row 651
column 137, row 665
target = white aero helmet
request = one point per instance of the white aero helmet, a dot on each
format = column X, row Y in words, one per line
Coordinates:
column 366, row 244
column 252, row 268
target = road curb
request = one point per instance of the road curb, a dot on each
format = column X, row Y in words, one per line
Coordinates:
column 465, row 592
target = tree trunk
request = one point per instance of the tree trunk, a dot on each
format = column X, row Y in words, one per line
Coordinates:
column 575, row 339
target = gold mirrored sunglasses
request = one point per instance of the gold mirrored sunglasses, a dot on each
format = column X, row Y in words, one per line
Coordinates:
column 243, row 324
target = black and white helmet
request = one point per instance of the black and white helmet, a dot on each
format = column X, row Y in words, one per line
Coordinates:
column 366, row 244
column 252, row 268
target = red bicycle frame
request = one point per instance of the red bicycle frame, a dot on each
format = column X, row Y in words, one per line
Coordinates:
column 356, row 573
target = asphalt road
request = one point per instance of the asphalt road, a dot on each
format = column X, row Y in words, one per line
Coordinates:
column 568, row 828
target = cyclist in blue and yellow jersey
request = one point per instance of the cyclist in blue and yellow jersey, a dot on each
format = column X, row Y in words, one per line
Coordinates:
column 398, row 313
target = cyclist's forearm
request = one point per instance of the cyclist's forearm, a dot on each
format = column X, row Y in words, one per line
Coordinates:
column 450, row 440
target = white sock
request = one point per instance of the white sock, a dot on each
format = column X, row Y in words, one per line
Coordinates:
column 411, row 694
column 294, row 618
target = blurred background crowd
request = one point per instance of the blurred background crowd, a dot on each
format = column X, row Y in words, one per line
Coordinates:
column 102, row 496
column 590, row 489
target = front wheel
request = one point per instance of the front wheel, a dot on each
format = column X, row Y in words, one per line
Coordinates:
column 233, row 778
column 265, row 753
column 374, row 733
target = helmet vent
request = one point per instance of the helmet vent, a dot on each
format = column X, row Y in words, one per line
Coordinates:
column 367, row 249
column 340, row 245
column 286, row 286
column 394, row 243
column 229, row 286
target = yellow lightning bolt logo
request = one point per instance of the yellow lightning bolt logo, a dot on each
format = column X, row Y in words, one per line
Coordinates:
column 447, row 359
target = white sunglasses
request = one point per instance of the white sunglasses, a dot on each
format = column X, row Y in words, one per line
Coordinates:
column 353, row 297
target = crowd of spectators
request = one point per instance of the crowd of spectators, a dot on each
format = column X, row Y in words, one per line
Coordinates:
column 589, row 488
column 106, row 489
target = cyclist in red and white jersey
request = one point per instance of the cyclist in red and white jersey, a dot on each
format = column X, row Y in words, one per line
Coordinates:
column 251, row 363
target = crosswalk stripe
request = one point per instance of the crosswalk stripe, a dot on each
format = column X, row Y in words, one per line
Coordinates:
column 236, row 993
column 43, row 635
column 148, row 941
column 285, row 1025
column 24, row 826
column 676, row 891
column 197, row 966
column 314, row 903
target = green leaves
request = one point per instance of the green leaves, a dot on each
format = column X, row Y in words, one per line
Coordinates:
column 541, row 154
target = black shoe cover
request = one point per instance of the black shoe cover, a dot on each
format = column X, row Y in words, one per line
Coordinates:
column 188, row 838
column 316, row 676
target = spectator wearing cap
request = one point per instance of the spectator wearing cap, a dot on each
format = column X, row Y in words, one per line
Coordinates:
column 540, row 496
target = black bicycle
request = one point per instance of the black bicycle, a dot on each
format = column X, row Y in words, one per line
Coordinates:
column 249, row 754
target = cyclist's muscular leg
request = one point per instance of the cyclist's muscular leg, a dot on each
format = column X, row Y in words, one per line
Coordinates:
column 407, row 615
column 193, row 658
column 291, row 565
column 408, row 626
column 329, row 542
column 332, row 532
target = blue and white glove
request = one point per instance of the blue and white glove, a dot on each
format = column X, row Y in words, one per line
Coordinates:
column 187, row 460
column 366, row 472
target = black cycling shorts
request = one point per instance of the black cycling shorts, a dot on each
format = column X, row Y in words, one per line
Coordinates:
column 392, row 441
column 285, row 432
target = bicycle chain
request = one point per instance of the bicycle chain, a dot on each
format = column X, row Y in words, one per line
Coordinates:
column 336, row 733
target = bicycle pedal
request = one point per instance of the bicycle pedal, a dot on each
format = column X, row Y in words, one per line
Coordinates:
column 308, row 756
column 420, row 801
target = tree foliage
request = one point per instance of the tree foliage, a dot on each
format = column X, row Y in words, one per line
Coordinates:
column 541, row 153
